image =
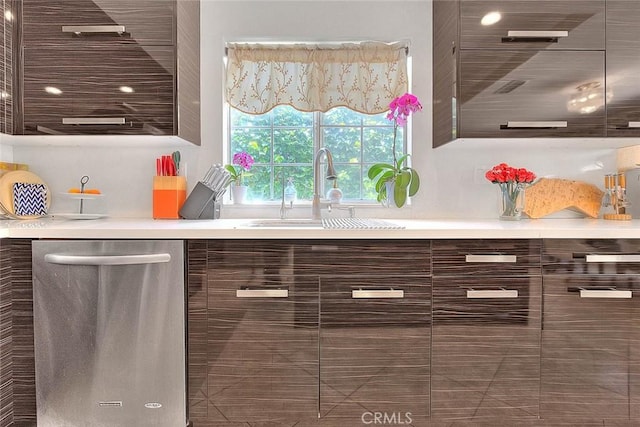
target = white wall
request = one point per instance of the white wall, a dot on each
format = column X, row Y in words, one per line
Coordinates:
column 450, row 185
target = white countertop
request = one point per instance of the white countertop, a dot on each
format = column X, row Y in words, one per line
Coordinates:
column 140, row 228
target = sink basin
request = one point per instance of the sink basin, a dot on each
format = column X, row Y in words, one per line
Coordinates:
column 288, row 223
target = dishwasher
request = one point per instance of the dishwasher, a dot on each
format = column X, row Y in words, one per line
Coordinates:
column 109, row 327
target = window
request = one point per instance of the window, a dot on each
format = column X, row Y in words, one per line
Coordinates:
column 284, row 140
column 286, row 101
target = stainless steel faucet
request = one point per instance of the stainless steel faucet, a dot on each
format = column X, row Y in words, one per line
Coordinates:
column 331, row 175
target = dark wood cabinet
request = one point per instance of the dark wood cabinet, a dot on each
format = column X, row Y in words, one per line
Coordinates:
column 92, row 100
column 143, row 22
column 539, row 24
column 590, row 331
column 111, row 67
column 623, row 67
column 375, row 348
column 538, row 71
column 262, row 336
column 487, row 298
column 526, row 93
column 7, row 29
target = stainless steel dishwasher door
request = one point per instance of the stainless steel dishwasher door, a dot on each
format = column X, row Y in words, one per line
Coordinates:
column 109, row 333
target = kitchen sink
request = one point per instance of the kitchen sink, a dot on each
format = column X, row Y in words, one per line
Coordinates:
column 288, row 223
column 327, row 223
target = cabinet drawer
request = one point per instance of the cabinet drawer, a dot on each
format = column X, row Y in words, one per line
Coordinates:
column 105, row 21
column 486, row 257
column 540, row 24
column 375, row 301
column 366, row 256
column 520, row 93
column 582, row 256
column 91, row 94
column 489, row 300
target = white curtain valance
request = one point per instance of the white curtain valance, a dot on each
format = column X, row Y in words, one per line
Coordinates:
column 364, row 77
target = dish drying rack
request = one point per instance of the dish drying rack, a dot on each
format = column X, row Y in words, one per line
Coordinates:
column 205, row 200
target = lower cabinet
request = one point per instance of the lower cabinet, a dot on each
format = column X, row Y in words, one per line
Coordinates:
column 486, row 348
column 591, row 347
column 262, row 337
column 375, row 334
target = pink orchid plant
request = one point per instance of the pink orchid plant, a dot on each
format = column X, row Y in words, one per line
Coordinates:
column 404, row 178
column 242, row 163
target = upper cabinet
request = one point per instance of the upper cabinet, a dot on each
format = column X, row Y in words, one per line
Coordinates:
column 110, row 67
column 106, row 21
column 7, row 19
column 509, row 69
column 623, row 68
column 573, row 24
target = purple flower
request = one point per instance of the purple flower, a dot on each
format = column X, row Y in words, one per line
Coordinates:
column 243, row 159
column 402, row 107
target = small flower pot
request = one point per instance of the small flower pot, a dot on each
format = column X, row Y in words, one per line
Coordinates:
column 238, row 194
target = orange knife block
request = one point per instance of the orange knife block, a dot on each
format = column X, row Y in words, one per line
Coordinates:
column 169, row 194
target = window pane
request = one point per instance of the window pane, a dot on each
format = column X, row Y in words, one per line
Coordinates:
column 289, row 116
column 259, row 183
column 293, row 145
column 238, row 118
column 349, row 181
column 344, row 143
column 256, row 142
column 377, row 120
column 341, row 116
column 302, row 180
column 378, row 142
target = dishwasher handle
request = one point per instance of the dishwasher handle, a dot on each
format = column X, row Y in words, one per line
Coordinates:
column 65, row 259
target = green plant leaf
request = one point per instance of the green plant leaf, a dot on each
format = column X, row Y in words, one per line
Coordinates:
column 232, row 170
column 399, row 195
column 382, row 179
column 415, row 183
column 401, row 160
column 403, row 179
column 375, row 170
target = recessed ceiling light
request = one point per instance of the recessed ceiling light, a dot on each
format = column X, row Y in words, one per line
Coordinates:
column 491, row 18
column 52, row 90
column 8, row 15
column 126, row 89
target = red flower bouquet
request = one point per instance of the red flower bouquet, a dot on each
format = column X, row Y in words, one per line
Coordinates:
column 512, row 182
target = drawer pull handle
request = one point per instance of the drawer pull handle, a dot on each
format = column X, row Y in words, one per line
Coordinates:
column 634, row 125
column 519, row 35
column 80, row 29
column 377, row 293
column 93, row 121
column 65, row 259
column 492, row 293
column 605, row 293
column 535, row 125
column 262, row 293
column 612, row 258
column 491, row 258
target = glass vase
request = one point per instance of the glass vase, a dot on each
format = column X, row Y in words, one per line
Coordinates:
column 511, row 201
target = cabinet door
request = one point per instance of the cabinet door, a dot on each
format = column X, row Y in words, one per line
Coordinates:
column 263, row 347
column 92, row 100
column 486, row 348
column 589, row 333
column 102, row 21
column 374, row 348
column 623, row 67
column 538, row 24
column 520, row 93
column 6, row 66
